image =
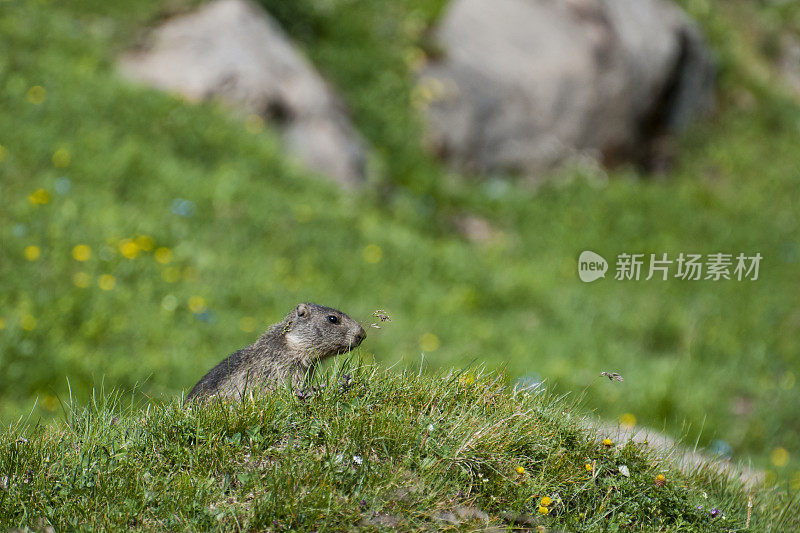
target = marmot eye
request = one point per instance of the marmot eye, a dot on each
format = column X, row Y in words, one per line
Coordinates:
column 333, row 319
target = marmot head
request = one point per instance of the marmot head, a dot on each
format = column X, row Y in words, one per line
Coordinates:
column 321, row 331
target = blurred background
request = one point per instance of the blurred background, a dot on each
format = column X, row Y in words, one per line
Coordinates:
column 177, row 175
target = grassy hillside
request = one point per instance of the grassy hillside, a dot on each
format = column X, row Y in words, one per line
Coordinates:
column 371, row 449
column 143, row 237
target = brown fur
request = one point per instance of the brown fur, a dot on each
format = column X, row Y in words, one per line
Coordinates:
column 286, row 352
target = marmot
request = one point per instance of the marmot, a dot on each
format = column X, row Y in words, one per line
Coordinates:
column 287, row 351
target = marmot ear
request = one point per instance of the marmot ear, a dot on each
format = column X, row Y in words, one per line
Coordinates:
column 302, row 310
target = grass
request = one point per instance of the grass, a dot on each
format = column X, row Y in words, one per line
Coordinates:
column 201, row 233
column 371, row 449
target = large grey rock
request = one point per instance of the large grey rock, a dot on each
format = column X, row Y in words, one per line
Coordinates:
column 789, row 60
column 233, row 51
column 524, row 85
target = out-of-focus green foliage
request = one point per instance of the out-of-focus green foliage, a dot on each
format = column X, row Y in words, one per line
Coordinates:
column 370, row 49
column 250, row 234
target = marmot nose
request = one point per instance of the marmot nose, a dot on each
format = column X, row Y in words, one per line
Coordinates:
column 360, row 336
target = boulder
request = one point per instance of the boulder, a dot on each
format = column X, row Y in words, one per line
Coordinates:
column 233, row 51
column 524, row 85
column 789, row 60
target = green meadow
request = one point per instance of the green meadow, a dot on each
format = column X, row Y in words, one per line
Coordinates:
column 143, row 238
column 366, row 449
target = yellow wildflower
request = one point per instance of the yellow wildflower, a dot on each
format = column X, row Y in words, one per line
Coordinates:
column 32, row 252
column 145, row 242
column 546, row 501
column 39, row 197
column 660, row 480
column 28, row 322
column 543, row 510
column 197, row 304
column 607, row 442
column 81, row 253
column 106, row 282
column 779, row 456
column 61, row 158
column 128, row 248
column 520, row 470
column 81, row 279
column 163, row 255
column 36, row 94
column 372, row 253
column 429, row 342
column 588, row 467
column 627, row 420
column 466, row 379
